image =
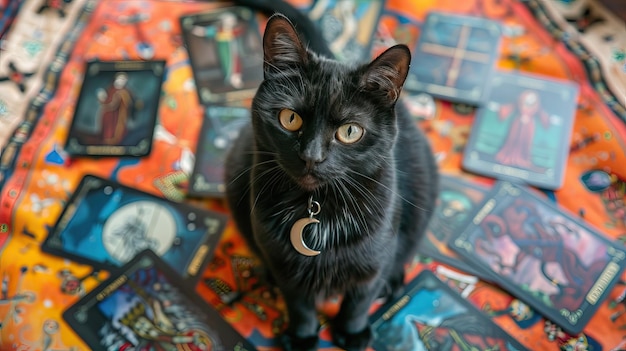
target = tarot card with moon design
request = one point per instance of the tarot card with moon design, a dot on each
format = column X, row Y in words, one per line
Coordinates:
column 457, row 199
column 146, row 306
column 523, row 132
column 105, row 224
column 432, row 316
column 226, row 53
column 542, row 255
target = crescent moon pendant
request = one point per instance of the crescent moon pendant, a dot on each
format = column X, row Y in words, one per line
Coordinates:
column 296, row 237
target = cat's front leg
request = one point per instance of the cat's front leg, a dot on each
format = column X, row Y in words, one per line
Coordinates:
column 303, row 329
column 351, row 330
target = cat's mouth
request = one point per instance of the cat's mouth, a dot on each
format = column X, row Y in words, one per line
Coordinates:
column 309, row 182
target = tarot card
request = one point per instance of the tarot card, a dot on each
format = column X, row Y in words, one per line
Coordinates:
column 542, row 255
column 147, row 307
column 220, row 128
column 455, row 57
column 226, row 53
column 432, row 316
column 117, row 109
column 523, row 132
column 457, row 200
column 348, row 26
column 106, row 224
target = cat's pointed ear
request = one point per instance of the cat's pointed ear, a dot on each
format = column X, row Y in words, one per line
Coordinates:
column 385, row 75
column 282, row 47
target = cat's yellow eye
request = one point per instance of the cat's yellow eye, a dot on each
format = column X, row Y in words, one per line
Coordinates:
column 290, row 120
column 349, row 133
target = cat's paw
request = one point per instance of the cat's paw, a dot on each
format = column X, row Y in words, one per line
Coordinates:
column 294, row 343
column 352, row 341
column 391, row 291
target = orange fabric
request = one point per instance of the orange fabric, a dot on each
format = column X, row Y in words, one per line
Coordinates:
column 36, row 189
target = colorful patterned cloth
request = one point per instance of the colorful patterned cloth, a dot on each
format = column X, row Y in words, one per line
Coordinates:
column 42, row 60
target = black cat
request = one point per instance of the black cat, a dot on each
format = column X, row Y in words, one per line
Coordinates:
column 331, row 184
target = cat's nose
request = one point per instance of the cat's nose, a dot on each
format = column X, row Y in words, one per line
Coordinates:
column 313, row 154
column 312, row 160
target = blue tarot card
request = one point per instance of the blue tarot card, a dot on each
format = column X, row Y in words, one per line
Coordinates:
column 106, row 224
column 432, row 316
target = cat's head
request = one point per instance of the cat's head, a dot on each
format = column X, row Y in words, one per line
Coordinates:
column 323, row 119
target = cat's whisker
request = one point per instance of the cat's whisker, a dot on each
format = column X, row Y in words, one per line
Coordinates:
column 270, row 182
column 392, row 191
column 359, row 222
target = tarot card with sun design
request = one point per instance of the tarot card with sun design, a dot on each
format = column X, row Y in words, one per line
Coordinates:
column 542, row 255
column 455, row 57
column 146, row 306
column 105, row 224
column 432, row 316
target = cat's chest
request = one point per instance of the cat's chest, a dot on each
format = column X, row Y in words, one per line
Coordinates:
column 348, row 252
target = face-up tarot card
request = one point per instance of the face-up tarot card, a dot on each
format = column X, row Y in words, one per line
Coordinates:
column 220, row 128
column 117, row 109
column 106, row 224
column 147, row 307
column 348, row 26
column 542, row 255
column 226, row 53
column 523, row 132
column 457, row 200
column 432, row 316
column 454, row 58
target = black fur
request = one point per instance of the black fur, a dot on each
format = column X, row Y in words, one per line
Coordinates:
column 376, row 195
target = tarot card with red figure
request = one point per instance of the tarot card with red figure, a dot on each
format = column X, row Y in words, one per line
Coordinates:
column 457, row 200
column 117, row 109
column 542, row 255
column 523, row 133
column 454, row 58
column 432, row 316
column 226, row 53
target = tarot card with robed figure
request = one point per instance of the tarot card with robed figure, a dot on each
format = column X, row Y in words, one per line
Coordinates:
column 542, row 255
column 117, row 109
column 347, row 26
column 432, row 316
column 220, row 128
column 105, row 224
column 458, row 197
column 146, row 306
column 455, row 57
column 226, row 53
column 522, row 134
